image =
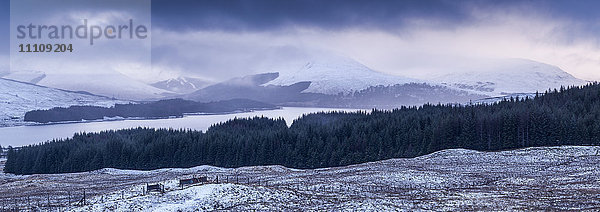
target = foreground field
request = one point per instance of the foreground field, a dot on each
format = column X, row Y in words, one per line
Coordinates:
column 547, row 178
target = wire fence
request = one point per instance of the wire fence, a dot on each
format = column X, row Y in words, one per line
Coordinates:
column 65, row 200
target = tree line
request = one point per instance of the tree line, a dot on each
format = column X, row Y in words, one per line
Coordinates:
column 559, row 117
column 158, row 109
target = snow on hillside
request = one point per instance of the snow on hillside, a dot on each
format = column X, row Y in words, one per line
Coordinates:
column 108, row 83
column 541, row 178
column 506, row 76
column 182, row 85
column 16, row 98
column 111, row 85
column 331, row 74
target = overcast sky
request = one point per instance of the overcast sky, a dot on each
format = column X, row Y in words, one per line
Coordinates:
column 220, row 39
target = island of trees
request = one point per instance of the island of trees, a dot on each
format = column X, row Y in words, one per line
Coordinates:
column 158, row 109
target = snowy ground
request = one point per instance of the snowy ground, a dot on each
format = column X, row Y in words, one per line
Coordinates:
column 548, row 178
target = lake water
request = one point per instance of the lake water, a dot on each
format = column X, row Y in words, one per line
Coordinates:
column 25, row 135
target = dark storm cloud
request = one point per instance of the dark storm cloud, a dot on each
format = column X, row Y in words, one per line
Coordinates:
column 437, row 26
column 580, row 10
column 326, row 14
column 260, row 15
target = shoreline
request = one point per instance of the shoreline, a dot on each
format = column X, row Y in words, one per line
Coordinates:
column 118, row 118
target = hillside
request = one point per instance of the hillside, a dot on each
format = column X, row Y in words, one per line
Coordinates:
column 109, row 83
column 16, row 98
column 182, row 85
column 506, row 76
column 532, row 179
column 331, row 74
column 251, row 87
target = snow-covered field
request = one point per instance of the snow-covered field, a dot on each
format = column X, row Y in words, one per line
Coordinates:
column 545, row 178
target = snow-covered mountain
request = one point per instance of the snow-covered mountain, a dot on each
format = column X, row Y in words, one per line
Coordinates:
column 182, row 85
column 507, row 76
column 332, row 74
column 328, row 80
column 110, row 84
column 16, row 98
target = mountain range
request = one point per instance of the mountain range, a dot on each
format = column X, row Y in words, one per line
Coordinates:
column 343, row 82
column 319, row 81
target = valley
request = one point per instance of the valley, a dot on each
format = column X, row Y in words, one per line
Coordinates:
column 299, row 105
